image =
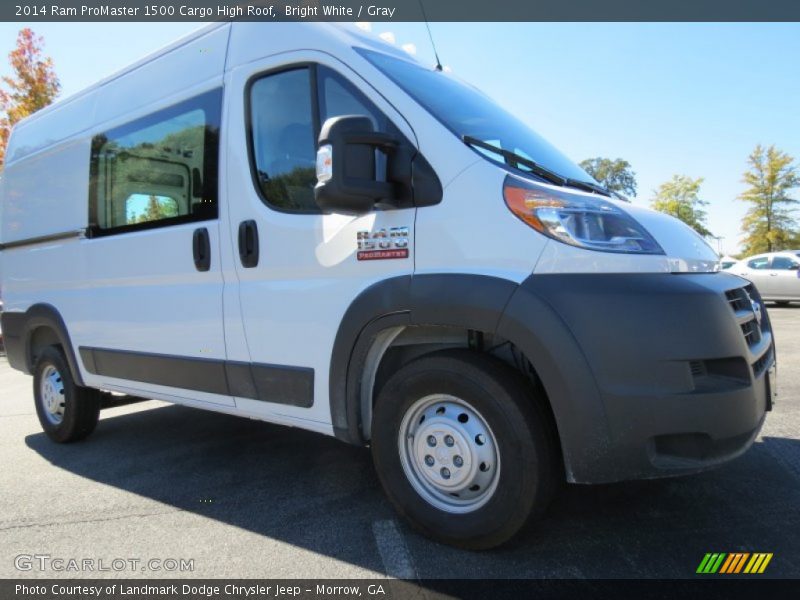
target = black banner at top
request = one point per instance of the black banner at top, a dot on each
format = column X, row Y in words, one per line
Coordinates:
column 399, row 10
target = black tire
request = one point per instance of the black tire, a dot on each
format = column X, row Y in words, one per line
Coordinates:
column 520, row 423
column 81, row 406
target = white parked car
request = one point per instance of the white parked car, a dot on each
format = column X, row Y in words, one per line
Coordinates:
column 298, row 223
column 775, row 274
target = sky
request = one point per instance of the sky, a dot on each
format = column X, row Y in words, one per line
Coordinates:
column 685, row 98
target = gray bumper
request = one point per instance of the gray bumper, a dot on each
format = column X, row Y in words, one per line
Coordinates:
column 649, row 375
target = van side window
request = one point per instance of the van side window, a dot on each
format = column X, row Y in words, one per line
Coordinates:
column 338, row 97
column 287, row 109
column 158, row 170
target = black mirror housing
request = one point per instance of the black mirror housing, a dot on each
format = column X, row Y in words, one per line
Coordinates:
column 346, row 180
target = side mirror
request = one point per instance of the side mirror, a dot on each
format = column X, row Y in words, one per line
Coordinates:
column 346, row 179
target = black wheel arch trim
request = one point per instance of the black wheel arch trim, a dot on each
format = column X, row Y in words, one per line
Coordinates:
column 484, row 303
column 18, row 328
column 474, row 301
column 386, row 298
column 537, row 328
column 471, row 301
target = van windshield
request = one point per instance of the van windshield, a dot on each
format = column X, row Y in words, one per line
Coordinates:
column 467, row 112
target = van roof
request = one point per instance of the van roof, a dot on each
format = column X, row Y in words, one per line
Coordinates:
column 355, row 35
column 39, row 134
column 181, row 41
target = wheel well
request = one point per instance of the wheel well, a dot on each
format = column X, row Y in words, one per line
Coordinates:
column 392, row 348
column 39, row 339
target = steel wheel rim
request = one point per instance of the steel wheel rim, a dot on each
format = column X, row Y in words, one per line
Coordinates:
column 449, row 453
column 51, row 392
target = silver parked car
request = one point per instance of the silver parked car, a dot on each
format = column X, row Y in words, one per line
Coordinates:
column 776, row 275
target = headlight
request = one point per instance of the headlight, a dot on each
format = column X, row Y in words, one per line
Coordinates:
column 577, row 219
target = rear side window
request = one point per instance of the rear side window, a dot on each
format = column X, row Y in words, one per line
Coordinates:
column 761, row 262
column 158, row 170
column 286, row 110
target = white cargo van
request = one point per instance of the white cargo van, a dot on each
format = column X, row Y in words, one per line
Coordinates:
column 300, row 224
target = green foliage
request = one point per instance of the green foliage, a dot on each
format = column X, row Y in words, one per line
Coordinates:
column 616, row 175
column 680, row 198
column 769, row 224
column 293, row 189
column 158, row 207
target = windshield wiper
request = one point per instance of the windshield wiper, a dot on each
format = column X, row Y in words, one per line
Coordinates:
column 515, row 160
column 588, row 186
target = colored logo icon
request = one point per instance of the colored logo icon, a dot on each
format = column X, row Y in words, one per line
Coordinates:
column 737, row 562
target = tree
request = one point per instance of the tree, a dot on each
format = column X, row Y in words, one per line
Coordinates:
column 616, row 175
column 680, row 198
column 33, row 85
column 157, row 208
column 768, row 224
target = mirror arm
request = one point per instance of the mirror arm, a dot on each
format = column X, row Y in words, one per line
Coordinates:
column 382, row 141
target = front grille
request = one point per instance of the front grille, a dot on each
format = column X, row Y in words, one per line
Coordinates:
column 698, row 368
column 742, row 300
column 745, row 302
column 752, row 332
column 738, row 299
column 762, row 363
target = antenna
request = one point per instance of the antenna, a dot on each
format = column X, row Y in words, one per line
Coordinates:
column 430, row 35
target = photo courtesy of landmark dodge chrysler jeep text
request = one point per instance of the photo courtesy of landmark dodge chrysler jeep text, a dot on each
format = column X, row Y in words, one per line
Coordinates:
column 298, row 223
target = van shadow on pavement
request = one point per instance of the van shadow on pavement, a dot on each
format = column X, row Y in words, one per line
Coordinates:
column 322, row 495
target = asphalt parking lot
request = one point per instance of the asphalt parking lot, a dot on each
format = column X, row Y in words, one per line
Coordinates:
column 247, row 499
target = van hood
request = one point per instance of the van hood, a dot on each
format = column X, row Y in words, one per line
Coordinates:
column 687, row 251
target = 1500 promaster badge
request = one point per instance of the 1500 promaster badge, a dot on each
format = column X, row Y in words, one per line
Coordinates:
column 383, row 244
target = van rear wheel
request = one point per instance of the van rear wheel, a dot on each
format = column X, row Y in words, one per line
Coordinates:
column 66, row 411
column 463, row 448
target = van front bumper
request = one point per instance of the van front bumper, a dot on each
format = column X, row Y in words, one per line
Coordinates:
column 648, row 375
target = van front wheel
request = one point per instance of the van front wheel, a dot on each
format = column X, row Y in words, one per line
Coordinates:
column 66, row 411
column 463, row 448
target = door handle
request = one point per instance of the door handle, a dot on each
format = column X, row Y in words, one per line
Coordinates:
column 773, row 274
column 248, row 244
column 201, row 248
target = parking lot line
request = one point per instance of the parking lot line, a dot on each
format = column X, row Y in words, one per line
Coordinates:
column 393, row 550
